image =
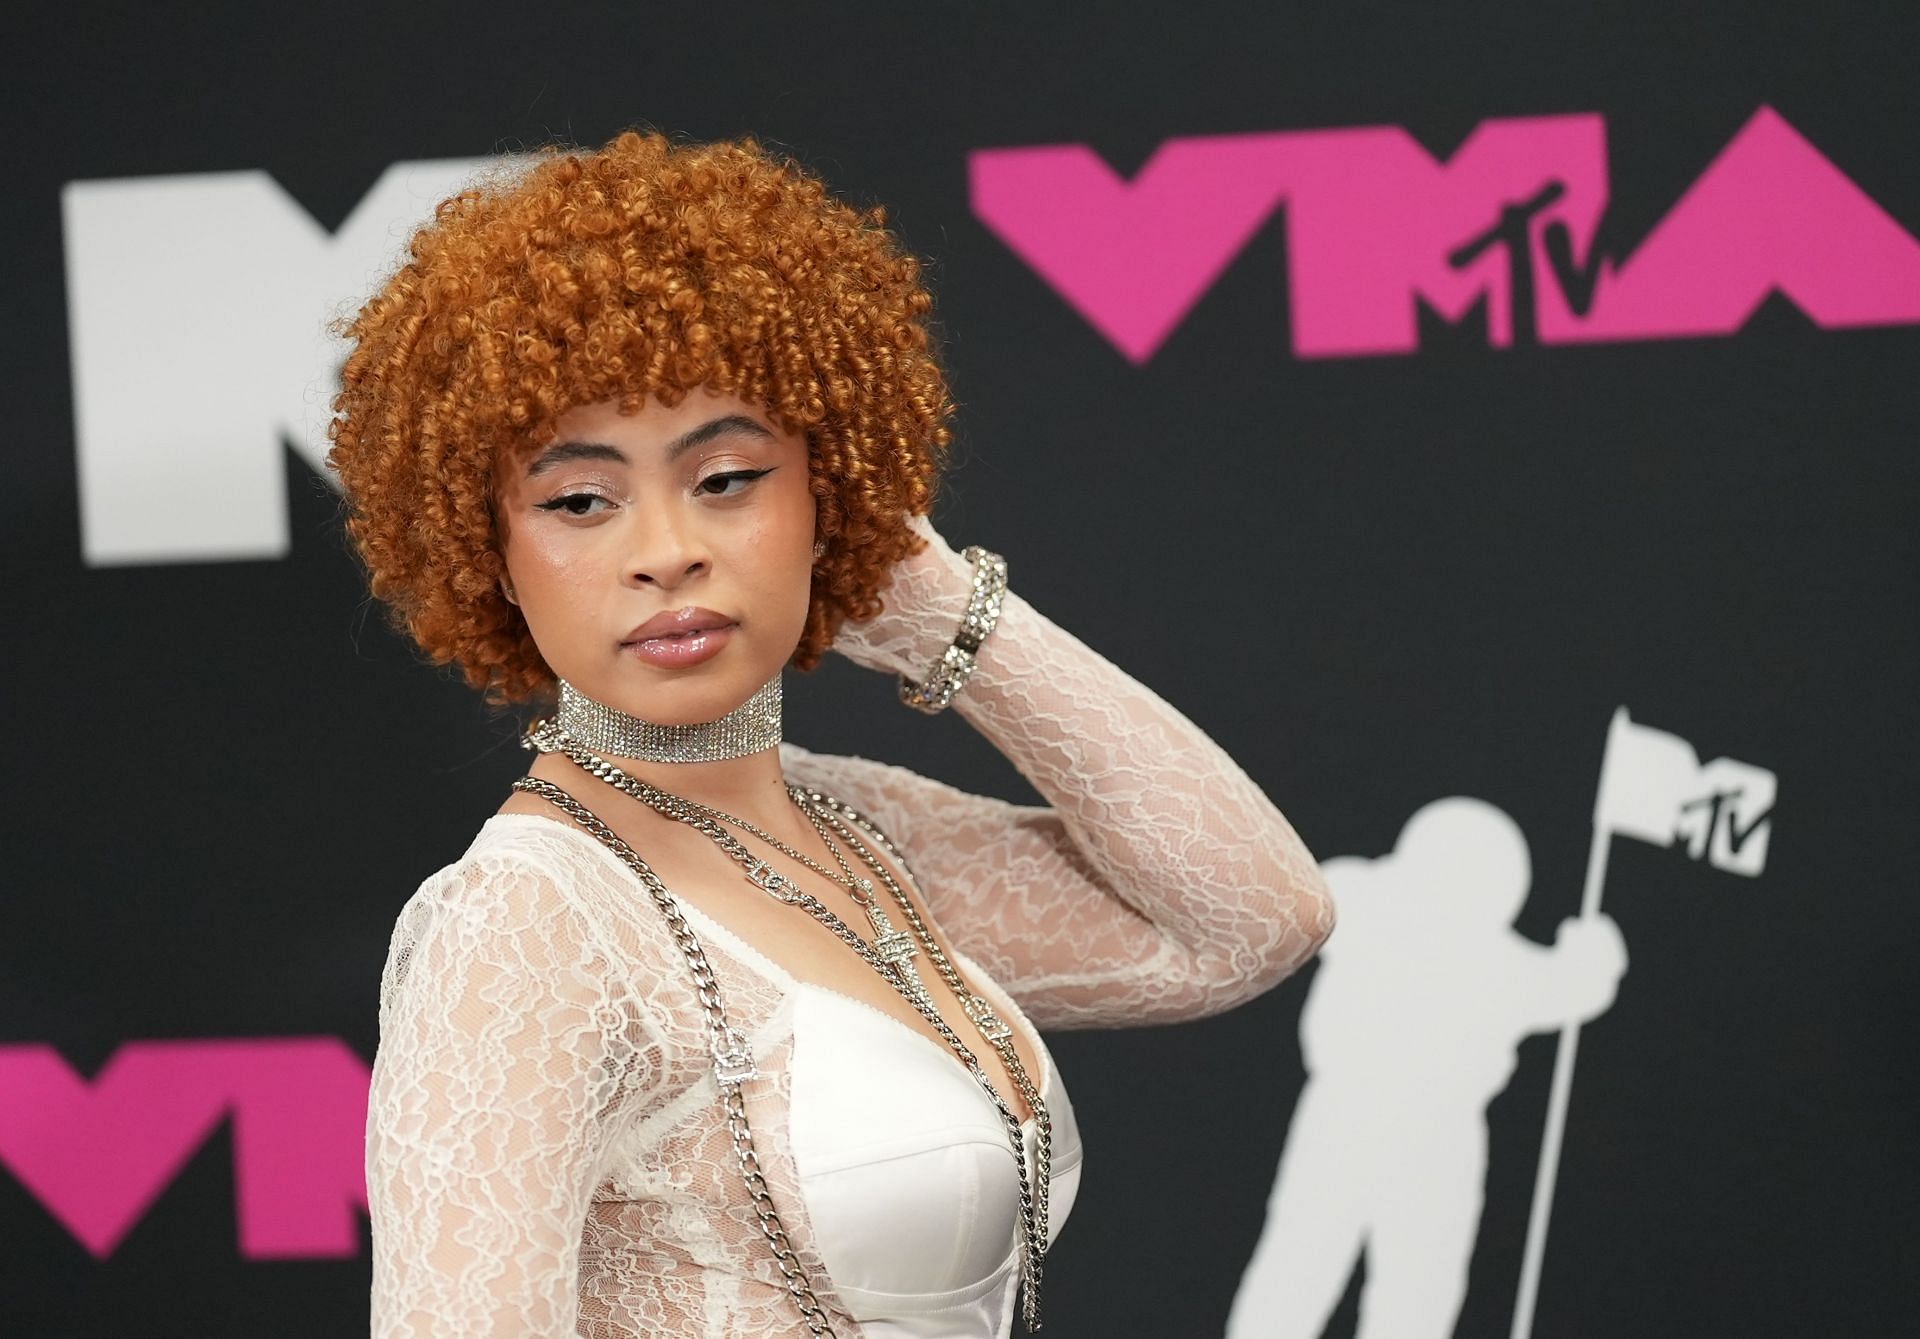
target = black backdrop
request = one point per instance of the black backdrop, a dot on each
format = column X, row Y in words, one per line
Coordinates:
column 1426, row 574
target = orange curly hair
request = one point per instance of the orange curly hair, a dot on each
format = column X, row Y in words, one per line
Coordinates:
column 642, row 269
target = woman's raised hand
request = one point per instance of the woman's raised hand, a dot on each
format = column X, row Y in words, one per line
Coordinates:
column 923, row 601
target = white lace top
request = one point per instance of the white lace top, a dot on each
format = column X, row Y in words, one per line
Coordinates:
column 546, row 1151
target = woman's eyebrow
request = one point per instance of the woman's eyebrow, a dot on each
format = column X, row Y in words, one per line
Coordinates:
column 562, row 452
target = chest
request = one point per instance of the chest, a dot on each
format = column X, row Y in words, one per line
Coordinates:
column 877, row 947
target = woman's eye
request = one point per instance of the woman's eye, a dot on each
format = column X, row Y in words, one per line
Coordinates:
column 581, row 504
column 564, row 503
column 747, row 475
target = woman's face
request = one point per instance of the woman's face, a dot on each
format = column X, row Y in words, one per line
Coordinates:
column 623, row 517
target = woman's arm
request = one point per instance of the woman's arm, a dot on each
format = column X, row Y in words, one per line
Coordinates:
column 501, row 1059
column 1158, row 884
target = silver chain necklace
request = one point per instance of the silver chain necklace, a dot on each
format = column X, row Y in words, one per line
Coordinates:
column 733, row 1063
column 891, row 944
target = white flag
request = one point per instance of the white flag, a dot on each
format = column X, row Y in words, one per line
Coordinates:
column 1653, row 787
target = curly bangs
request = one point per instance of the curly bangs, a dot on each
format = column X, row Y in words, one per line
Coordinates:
column 641, row 269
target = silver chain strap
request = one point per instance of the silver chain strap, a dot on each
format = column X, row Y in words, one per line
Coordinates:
column 730, row 1049
column 733, row 1058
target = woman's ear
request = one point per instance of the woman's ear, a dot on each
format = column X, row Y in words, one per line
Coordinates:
column 506, row 589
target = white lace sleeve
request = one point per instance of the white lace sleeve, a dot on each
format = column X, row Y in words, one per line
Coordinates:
column 1158, row 884
column 505, row 1049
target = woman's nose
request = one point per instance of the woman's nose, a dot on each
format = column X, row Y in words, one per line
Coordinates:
column 665, row 548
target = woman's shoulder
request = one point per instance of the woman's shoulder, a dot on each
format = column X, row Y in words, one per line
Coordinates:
column 908, row 805
column 520, row 833
column 794, row 758
column 518, row 866
column 849, row 776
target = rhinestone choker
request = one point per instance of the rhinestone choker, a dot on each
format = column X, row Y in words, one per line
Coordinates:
column 750, row 727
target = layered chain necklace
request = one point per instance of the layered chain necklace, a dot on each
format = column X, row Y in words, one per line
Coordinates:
column 890, row 954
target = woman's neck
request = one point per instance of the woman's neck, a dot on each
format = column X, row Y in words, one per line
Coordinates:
column 752, row 786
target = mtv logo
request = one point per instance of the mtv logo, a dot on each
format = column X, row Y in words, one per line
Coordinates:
column 1731, row 822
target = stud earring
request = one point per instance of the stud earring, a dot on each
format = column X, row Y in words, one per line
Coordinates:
column 819, row 547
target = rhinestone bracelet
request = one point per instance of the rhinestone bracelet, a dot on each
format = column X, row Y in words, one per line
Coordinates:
column 956, row 665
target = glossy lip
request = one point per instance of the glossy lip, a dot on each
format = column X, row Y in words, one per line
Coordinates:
column 693, row 618
column 693, row 648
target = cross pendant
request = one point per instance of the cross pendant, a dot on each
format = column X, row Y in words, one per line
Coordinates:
column 895, row 949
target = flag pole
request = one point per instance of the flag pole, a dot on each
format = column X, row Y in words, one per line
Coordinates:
column 1557, row 1097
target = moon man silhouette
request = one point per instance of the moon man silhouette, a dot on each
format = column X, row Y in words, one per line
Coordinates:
column 1411, row 1027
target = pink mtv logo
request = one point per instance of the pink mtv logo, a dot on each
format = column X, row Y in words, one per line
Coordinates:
column 1373, row 222
column 98, row 1154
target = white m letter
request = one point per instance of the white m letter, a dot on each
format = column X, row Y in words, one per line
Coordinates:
column 196, row 309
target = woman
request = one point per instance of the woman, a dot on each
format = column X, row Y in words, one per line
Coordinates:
column 706, row 1033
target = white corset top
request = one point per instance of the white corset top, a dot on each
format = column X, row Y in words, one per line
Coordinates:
column 905, row 1164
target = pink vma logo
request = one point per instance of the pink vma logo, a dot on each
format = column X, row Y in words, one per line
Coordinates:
column 1374, row 222
column 97, row 1154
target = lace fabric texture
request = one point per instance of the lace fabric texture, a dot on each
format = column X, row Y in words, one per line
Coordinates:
column 546, row 1151
column 1158, row 884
